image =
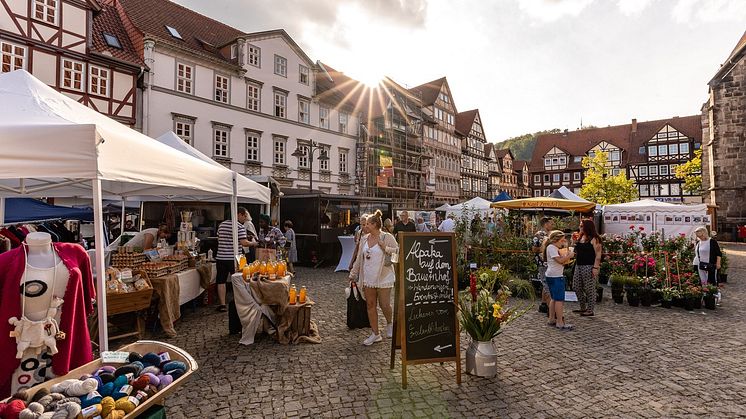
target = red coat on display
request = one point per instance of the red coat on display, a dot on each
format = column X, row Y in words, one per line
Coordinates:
column 75, row 350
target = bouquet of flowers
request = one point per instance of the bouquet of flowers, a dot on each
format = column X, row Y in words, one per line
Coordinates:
column 483, row 313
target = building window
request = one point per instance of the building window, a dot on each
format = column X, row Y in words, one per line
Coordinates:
column 174, row 32
column 537, row 178
column 255, row 55
column 664, row 169
column 222, row 87
column 565, row 177
column 304, row 111
column 662, row 150
column 281, row 66
column 343, row 122
column 221, row 139
column 184, row 78
column 546, row 192
column 615, row 156
column 643, row 170
column 664, row 189
column 252, row 146
column 253, row 97
column 324, row 164
column 615, row 172
column 546, row 178
column 556, row 177
column 323, row 117
column 112, row 40
column 684, row 148
column 303, row 75
column 343, row 160
column 673, row 149
column 13, row 57
column 303, row 160
column 652, row 151
column 563, row 160
column 675, row 189
column 72, row 74
column 576, row 176
column 184, row 129
column 281, row 100
column 46, row 10
column 644, row 190
column 279, row 151
column 537, row 193
column 653, row 170
column 577, row 159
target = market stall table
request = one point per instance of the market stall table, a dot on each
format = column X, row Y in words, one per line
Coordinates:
column 270, row 298
column 170, row 296
column 348, row 249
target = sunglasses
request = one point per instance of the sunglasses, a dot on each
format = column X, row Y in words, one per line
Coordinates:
column 367, row 254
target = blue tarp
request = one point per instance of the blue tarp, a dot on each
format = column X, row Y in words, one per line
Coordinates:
column 19, row 210
column 502, row 196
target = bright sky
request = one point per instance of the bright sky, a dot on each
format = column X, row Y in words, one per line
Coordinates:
column 527, row 65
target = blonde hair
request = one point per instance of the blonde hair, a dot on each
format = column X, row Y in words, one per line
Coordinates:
column 701, row 228
column 553, row 237
column 375, row 218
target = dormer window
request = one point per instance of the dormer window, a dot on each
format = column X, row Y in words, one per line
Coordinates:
column 112, row 40
column 46, row 10
column 174, row 32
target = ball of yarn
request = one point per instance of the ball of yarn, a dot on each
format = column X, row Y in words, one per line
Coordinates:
column 69, row 410
column 120, row 381
column 150, row 390
column 12, row 409
column 33, row 411
column 174, row 365
column 85, row 376
column 55, row 404
column 75, row 387
column 106, row 368
column 152, row 378
column 115, row 414
column 141, row 382
column 20, row 395
column 151, row 359
column 165, row 380
column 151, row 369
column 90, row 399
column 90, row 411
column 134, row 356
column 39, row 394
column 106, row 389
column 107, row 377
column 123, row 391
column 107, row 405
column 127, row 404
column 176, row 373
column 127, row 369
column 49, row 399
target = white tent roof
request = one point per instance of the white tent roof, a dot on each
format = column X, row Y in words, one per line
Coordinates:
column 568, row 194
column 653, row 205
column 53, row 146
column 444, row 207
column 245, row 187
column 477, row 203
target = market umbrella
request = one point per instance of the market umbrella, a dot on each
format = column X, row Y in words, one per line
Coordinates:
column 547, row 203
column 502, row 196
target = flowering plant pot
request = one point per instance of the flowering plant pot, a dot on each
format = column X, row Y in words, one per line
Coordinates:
column 709, row 302
column 646, row 297
column 666, row 303
column 599, row 294
column 689, row 304
column 633, row 297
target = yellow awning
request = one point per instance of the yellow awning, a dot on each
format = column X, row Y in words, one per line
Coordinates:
column 547, row 203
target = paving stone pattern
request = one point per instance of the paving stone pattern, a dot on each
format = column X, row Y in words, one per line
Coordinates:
column 626, row 362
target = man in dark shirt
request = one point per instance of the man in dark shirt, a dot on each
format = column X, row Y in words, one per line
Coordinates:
column 405, row 224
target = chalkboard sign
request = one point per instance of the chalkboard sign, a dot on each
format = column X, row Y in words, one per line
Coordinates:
column 427, row 320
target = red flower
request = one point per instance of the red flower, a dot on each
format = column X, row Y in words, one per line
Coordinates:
column 473, row 286
column 632, row 227
column 642, row 228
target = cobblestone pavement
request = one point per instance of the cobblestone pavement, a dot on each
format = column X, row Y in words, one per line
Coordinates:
column 625, row 362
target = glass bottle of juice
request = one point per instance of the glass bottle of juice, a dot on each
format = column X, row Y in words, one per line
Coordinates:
column 302, row 296
column 292, row 295
column 241, row 262
column 281, row 268
column 263, row 268
column 272, row 269
column 246, row 271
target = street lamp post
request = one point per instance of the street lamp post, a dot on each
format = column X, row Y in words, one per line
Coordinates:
column 312, row 147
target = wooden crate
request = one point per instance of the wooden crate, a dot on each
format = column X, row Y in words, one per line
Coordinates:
column 127, row 302
column 302, row 321
column 142, row 347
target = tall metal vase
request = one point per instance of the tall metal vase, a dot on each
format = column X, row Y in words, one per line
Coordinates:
column 481, row 359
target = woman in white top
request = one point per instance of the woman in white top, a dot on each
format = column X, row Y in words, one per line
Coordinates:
column 148, row 238
column 374, row 270
column 555, row 277
column 707, row 254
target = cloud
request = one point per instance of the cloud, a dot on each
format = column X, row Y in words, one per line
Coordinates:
column 552, row 10
column 633, row 7
column 708, row 11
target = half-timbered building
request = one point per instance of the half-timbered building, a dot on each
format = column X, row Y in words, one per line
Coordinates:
column 77, row 47
column 473, row 161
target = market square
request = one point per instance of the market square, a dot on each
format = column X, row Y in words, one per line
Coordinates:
column 372, row 209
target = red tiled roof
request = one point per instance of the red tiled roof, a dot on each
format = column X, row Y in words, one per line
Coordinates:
column 465, row 120
column 731, row 61
column 429, row 91
column 500, row 153
column 577, row 143
column 199, row 33
column 107, row 20
column 518, row 165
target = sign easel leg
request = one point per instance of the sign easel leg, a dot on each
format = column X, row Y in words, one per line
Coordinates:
column 395, row 335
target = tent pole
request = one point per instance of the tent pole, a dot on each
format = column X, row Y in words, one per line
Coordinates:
column 2, row 211
column 98, row 223
column 139, row 220
column 234, row 214
column 124, row 215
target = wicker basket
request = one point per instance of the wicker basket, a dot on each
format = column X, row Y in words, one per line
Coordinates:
column 142, row 347
column 127, row 302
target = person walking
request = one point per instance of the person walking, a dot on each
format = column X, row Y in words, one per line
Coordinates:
column 388, row 226
column 225, row 261
column 555, row 277
column 373, row 268
column 421, row 226
column 361, row 231
column 588, row 249
column 707, row 257
column 291, row 245
column 448, row 225
column 404, row 224
column 547, row 225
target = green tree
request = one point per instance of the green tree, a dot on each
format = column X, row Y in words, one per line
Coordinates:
column 603, row 188
column 691, row 173
column 522, row 146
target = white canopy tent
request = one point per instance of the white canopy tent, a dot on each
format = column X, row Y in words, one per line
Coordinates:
column 444, row 207
column 471, row 208
column 53, row 146
column 669, row 219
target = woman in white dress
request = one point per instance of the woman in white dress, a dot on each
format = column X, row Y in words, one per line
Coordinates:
column 373, row 268
column 707, row 257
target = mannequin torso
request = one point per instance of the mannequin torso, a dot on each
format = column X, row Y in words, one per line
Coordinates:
column 40, row 253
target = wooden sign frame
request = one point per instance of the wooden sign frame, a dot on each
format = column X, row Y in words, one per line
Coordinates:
column 400, row 323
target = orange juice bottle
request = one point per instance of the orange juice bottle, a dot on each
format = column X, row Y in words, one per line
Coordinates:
column 302, row 297
column 246, row 271
column 292, row 295
column 281, row 268
column 241, row 262
column 272, row 269
column 263, row 268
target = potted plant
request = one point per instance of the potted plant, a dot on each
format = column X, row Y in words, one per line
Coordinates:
column 632, row 289
column 617, row 288
column 667, row 296
column 646, row 293
column 723, row 272
column 692, row 297
column 710, row 296
column 483, row 314
column 599, row 294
